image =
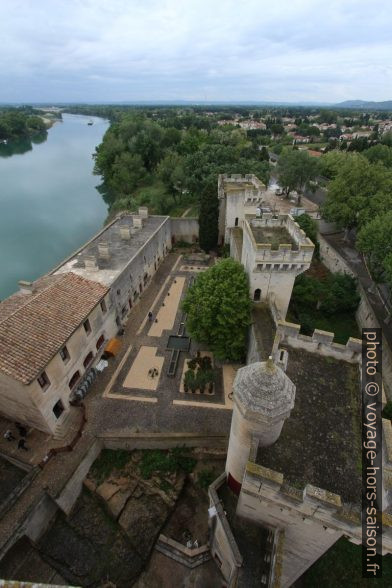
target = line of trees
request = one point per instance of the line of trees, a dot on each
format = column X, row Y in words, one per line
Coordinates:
column 171, row 160
column 359, row 199
column 17, row 124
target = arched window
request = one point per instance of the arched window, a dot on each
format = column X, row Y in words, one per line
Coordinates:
column 236, row 222
column 257, row 295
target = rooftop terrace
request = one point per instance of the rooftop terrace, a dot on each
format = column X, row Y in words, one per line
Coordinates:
column 273, row 235
column 320, row 443
column 113, row 248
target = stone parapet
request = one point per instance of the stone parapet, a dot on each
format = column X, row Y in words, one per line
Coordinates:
column 321, row 342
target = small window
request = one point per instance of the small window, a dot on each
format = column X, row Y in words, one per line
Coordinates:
column 88, row 359
column 130, row 277
column 74, row 380
column 87, row 326
column 123, row 310
column 140, row 288
column 58, row 409
column 236, row 222
column 118, row 292
column 64, row 354
column 100, row 342
column 103, row 306
column 43, row 381
column 130, row 302
column 257, row 295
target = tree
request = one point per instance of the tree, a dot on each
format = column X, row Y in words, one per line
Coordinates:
column 218, row 309
column 208, row 217
column 379, row 153
column 295, row 170
column 309, row 226
column 359, row 192
column 375, row 240
column 171, row 172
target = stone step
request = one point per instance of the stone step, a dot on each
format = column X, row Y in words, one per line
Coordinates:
column 67, row 430
column 182, row 558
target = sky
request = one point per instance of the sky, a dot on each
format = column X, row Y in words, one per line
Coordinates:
column 195, row 50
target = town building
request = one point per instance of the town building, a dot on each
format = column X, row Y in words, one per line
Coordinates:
column 52, row 332
column 123, row 257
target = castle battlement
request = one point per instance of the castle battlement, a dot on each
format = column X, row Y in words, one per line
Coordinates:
column 320, row 342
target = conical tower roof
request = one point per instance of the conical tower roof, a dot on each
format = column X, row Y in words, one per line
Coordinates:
column 262, row 391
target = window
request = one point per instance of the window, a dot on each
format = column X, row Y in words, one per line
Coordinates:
column 118, row 292
column 58, row 409
column 130, row 277
column 130, row 302
column 257, row 295
column 88, row 359
column 236, row 222
column 74, row 380
column 140, row 288
column 123, row 310
column 103, row 306
column 43, row 381
column 87, row 326
column 100, row 342
column 64, row 354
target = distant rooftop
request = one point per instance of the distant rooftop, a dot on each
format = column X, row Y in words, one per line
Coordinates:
column 320, row 443
column 113, row 248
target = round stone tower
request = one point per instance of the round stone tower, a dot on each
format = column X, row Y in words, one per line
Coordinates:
column 263, row 397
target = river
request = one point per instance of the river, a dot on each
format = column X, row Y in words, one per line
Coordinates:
column 49, row 204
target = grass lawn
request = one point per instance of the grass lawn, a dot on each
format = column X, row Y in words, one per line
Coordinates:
column 341, row 567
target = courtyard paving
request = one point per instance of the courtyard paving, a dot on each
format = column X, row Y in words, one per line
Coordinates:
column 127, row 397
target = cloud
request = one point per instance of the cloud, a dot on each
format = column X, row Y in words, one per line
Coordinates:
column 92, row 50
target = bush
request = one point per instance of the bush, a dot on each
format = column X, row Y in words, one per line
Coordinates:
column 165, row 462
column 205, row 478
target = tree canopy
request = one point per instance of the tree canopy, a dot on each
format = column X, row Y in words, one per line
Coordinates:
column 359, row 191
column 218, row 309
column 295, row 170
column 208, row 217
column 375, row 239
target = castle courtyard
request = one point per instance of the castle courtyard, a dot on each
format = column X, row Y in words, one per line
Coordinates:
column 135, row 392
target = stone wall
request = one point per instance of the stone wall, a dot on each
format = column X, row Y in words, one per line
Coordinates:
column 321, row 342
column 131, row 441
column 185, row 229
column 365, row 316
column 222, row 543
column 72, row 489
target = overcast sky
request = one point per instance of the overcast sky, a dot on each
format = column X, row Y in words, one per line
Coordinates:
column 120, row 50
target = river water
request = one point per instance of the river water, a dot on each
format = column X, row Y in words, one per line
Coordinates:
column 49, row 204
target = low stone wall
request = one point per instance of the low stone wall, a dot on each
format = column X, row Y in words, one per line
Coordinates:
column 72, row 489
column 131, row 441
column 185, row 229
column 321, row 342
column 365, row 316
column 222, row 543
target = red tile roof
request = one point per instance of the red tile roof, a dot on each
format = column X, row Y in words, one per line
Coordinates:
column 34, row 327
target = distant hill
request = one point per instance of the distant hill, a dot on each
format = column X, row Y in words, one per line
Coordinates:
column 365, row 105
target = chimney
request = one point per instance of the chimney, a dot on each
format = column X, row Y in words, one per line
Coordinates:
column 137, row 222
column 90, row 263
column 103, row 250
column 143, row 211
column 25, row 287
column 125, row 232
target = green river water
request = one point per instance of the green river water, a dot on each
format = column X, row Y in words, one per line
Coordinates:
column 49, row 204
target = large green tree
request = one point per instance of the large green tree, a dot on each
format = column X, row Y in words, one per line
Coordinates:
column 218, row 309
column 359, row 191
column 375, row 240
column 295, row 170
column 208, row 217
